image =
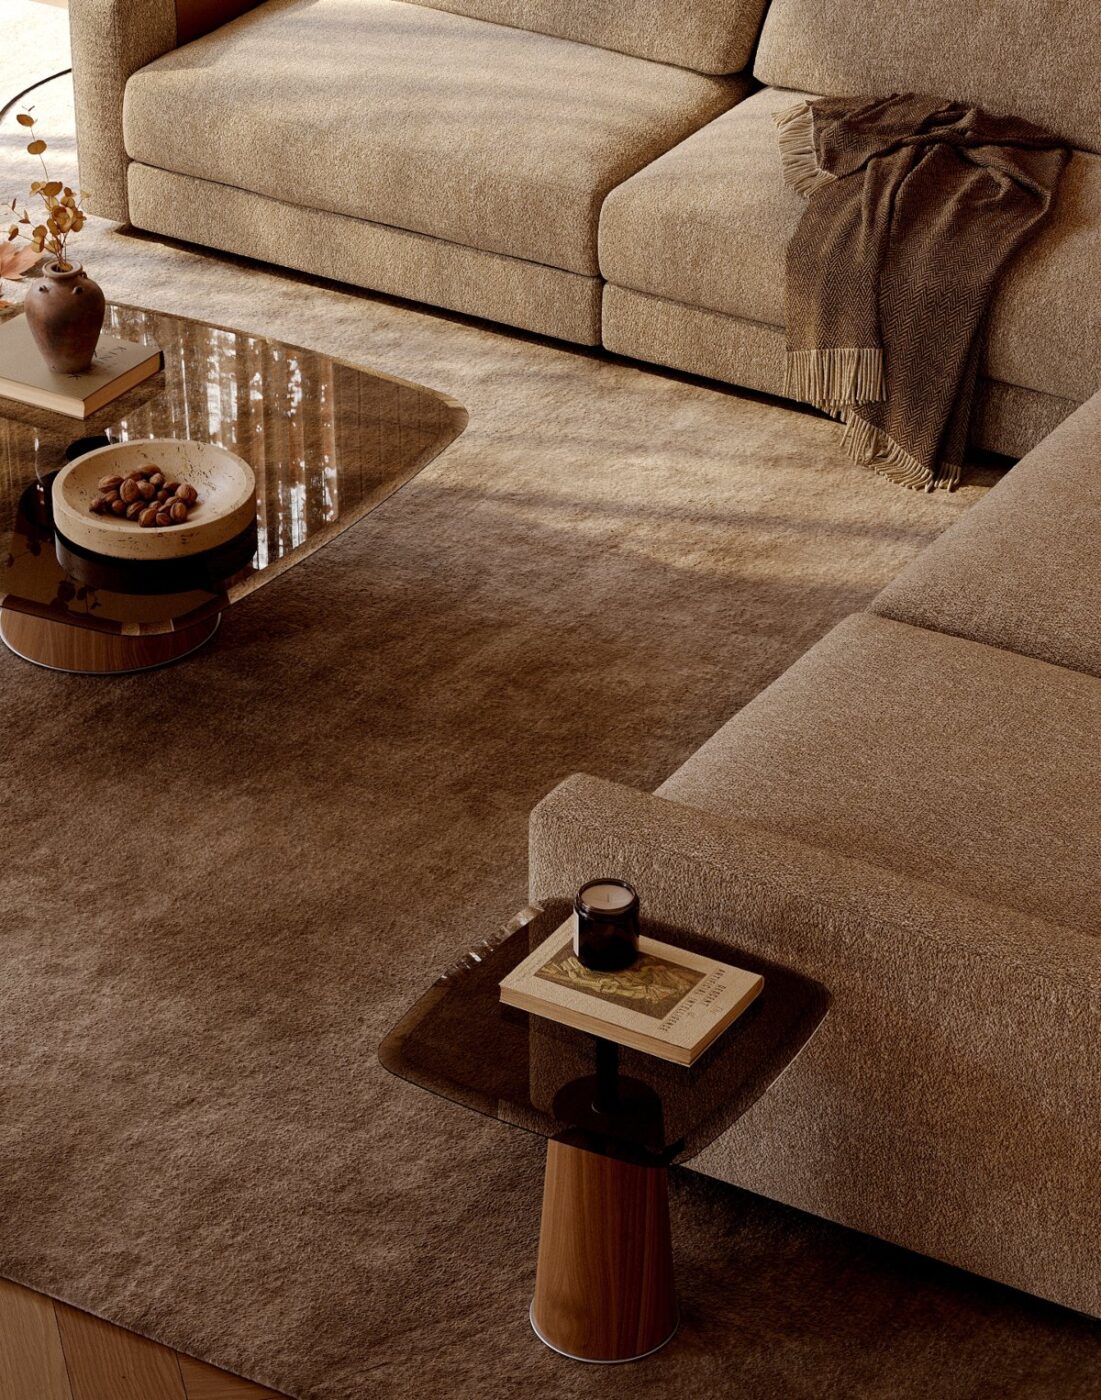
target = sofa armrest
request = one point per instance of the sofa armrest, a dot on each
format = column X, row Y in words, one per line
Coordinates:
column 725, row 879
column 949, row 1100
column 111, row 40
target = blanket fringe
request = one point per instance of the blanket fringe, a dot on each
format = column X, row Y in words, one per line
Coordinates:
column 873, row 448
column 830, row 378
column 797, row 154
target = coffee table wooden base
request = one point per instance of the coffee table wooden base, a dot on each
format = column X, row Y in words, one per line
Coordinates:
column 89, row 651
column 604, row 1288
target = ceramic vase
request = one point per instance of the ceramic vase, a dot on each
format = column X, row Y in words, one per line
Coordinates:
column 65, row 313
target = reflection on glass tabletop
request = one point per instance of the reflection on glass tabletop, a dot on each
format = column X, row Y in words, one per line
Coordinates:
column 328, row 441
column 460, row 1042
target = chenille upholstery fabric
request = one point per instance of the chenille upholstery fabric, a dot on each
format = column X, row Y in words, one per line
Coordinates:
column 909, row 818
column 1018, row 57
column 1020, row 569
column 1044, row 331
column 946, row 1100
column 721, row 189
column 711, row 36
column 660, row 232
column 487, row 136
column 510, row 290
column 751, row 354
column 986, row 781
column 111, row 40
column 1013, row 420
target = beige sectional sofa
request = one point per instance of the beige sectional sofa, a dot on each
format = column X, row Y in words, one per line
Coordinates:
column 910, row 815
column 603, row 173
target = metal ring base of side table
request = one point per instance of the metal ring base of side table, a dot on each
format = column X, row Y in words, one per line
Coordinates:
column 25, row 630
column 599, row 1360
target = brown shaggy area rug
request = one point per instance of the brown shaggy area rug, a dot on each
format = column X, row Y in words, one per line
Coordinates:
column 223, row 882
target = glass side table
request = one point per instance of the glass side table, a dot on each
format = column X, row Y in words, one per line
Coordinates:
column 616, row 1119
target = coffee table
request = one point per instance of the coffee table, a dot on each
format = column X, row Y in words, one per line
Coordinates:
column 329, row 441
column 616, row 1119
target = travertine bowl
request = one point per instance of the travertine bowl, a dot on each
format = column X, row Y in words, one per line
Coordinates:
column 226, row 487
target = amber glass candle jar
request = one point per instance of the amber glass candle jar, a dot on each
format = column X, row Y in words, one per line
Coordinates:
column 606, row 936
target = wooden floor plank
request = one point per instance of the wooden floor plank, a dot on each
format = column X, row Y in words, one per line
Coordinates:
column 106, row 1363
column 203, row 1382
column 49, row 1351
column 32, row 1366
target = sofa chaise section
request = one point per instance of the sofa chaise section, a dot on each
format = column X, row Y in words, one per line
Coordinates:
column 909, row 818
column 416, row 151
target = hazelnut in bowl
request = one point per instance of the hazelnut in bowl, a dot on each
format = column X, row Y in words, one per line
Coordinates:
column 158, row 498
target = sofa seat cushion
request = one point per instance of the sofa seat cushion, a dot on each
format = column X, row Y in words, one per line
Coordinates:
column 483, row 135
column 941, row 758
column 1020, row 570
column 708, row 225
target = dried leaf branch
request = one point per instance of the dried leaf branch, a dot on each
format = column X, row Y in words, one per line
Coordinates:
column 63, row 211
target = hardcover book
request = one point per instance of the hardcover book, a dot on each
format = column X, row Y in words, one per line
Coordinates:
column 670, row 1003
column 118, row 366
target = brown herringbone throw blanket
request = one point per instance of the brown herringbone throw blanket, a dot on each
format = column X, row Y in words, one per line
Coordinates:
column 914, row 206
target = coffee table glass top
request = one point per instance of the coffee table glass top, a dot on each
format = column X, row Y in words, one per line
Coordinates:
column 460, row 1042
column 328, row 441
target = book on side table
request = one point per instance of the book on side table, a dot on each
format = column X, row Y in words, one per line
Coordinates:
column 670, row 1003
column 119, row 365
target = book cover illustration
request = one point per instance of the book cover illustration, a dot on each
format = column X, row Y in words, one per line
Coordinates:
column 653, row 986
column 671, row 1002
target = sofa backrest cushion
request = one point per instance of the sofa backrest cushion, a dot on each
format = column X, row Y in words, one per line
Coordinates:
column 1037, row 59
column 711, row 36
column 1019, row 570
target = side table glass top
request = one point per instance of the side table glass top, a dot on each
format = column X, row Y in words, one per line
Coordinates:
column 460, row 1042
column 328, row 441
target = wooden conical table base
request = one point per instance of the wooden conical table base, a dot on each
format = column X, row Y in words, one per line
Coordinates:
column 604, row 1288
